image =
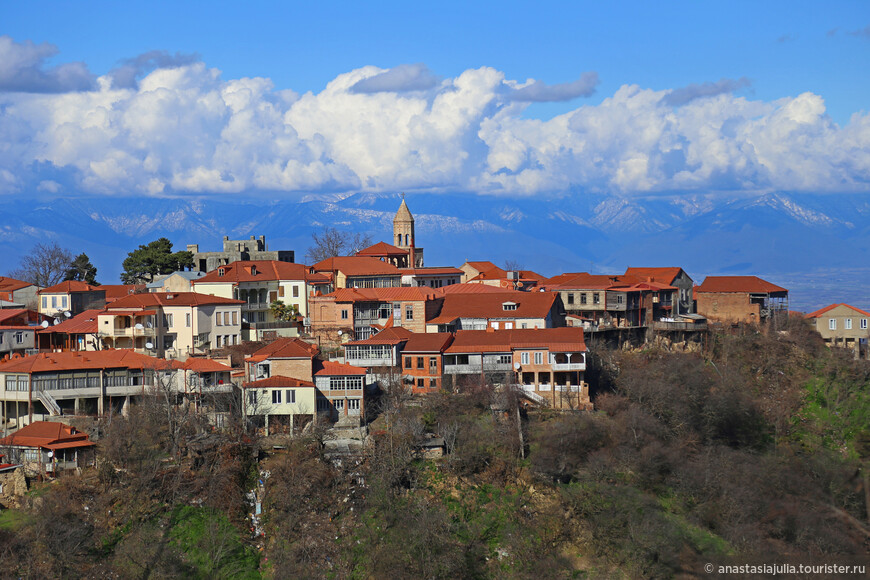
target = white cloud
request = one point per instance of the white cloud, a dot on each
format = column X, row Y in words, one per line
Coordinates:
column 22, row 69
column 185, row 129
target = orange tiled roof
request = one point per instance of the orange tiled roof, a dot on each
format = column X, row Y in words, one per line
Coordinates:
column 356, row 266
column 481, row 266
column 151, row 299
column 382, row 249
column 241, row 271
column 205, row 365
column 285, row 348
column 332, row 369
column 115, row 291
column 666, row 275
column 402, row 293
column 91, row 360
column 821, row 311
column 69, row 286
column 529, row 305
column 83, row 323
column 391, row 335
column 11, row 284
column 433, row 270
column 582, row 280
column 48, row 434
column 748, row 284
column 476, row 289
column 7, row 314
column 278, row 382
column 565, row 339
column 429, row 342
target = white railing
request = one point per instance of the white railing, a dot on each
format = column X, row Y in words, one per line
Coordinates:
column 569, row 366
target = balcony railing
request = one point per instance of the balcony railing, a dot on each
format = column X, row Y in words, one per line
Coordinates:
column 475, row 368
column 569, row 366
column 248, row 306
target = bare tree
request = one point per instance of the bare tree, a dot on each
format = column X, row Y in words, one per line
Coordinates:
column 332, row 242
column 45, row 265
column 512, row 265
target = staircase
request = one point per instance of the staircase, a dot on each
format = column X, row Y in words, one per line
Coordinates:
column 49, row 402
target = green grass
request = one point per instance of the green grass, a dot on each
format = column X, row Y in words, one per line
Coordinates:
column 212, row 545
column 12, row 519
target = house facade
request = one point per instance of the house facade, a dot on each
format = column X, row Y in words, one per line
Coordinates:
column 48, row 447
column 19, row 292
column 236, row 251
column 735, row 299
column 845, row 326
column 498, row 310
column 72, row 296
column 422, row 361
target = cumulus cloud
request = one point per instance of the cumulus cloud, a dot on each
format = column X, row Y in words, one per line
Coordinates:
column 184, row 128
column 681, row 96
column 131, row 70
column 23, row 69
column 539, row 92
column 405, row 77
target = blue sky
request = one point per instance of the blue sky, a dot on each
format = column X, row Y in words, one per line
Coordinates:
column 509, row 98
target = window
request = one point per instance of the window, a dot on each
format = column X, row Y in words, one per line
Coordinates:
column 295, row 291
column 44, row 302
column 409, row 312
column 276, row 397
column 539, row 358
column 63, row 302
column 252, row 398
column 596, row 298
column 291, row 396
column 54, row 301
column 570, row 297
column 187, row 320
column 226, row 318
column 433, row 383
column 504, row 359
column 353, row 405
column 524, row 358
column 832, row 324
column 168, row 341
column 863, row 324
column 1, row 338
column 583, row 298
column 848, row 324
column 508, row 325
column 217, row 319
column 19, row 337
column 167, row 320
column 494, row 325
column 433, row 364
column 619, row 298
column 221, row 271
column 421, row 383
column 339, row 404
column 508, row 305
column 419, row 362
column 344, row 314
column 235, row 318
column 407, row 362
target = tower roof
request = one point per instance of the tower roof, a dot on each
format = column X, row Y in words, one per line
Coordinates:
column 404, row 214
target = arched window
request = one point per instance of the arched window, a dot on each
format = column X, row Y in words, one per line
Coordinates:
column 406, row 239
column 398, row 239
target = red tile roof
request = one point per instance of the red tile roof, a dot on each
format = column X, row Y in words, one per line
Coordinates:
column 401, row 294
column 821, row 311
column 481, row 266
column 115, row 291
column 241, row 271
column 529, row 305
column 565, row 339
column 382, row 249
column 47, row 434
column 91, row 360
column 205, row 365
column 69, row 286
column 285, row 348
column 334, row 369
column 476, row 289
column 151, row 299
column 7, row 315
column 431, row 270
column 666, row 275
column 392, row 335
column 84, row 323
column 356, row 266
column 278, row 382
column 748, row 284
column 582, row 281
column 11, row 284
column 429, row 342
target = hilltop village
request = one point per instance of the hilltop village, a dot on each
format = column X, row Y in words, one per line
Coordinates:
column 250, row 342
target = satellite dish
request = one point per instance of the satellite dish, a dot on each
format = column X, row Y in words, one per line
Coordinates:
column 340, row 333
column 245, row 320
column 517, row 366
column 149, row 345
column 67, row 313
column 149, row 325
column 56, row 321
column 138, row 326
column 45, row 324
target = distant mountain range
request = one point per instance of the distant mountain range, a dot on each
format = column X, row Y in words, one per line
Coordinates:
column 817, row 245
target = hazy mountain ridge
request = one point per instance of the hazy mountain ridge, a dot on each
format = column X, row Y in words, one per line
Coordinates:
column 763, row 234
